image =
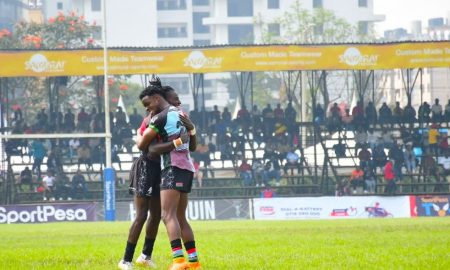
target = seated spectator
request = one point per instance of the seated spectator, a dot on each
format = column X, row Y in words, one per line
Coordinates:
column 26, row 179
column 371, row 114
column 365, row 158
column 433, row 138
column 63, row 187
column 339, row 149
column 202, row 155
column 387, row 139
column 79, row 188
column 347, row 120
column 369, row 178
column 443, row 144
column 245, row 172
column 48, row 183
column 372, row 139
column 84, row 157
column 447, row 112
column 272, row 171
column 74, row 143
column 436, row 112
column 258, row 173
column 389, row 177
column 445, row 162
column 198, row 174
column 385, row 114
column 410, row 158
column 424, row 112
column 267, row 192
column 357, row 179
column 291, row 162
column 397, row 113
column 360, row 139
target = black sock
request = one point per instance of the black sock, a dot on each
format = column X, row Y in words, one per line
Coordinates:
column 148, row 247
column 177, row 251
column 129, row 252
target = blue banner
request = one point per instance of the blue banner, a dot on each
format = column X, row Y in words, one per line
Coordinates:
column 109, row 198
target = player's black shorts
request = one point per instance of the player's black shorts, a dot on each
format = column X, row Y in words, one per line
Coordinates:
column 176, row 178
column 145, row 177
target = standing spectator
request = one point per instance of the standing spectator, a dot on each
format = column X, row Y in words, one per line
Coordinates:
column 371, row 114
column 409, row 115
column 410, row 158
column 54, row 161
column 226, row 116
column 358, row 115
column 397, row 113
column 433, row 137
column 216, row 114
column 347, row 120
column 245, row 172
column 121, row 118
column 39, row 152
column 443, row 144
column 135, row 119
column 447, row 113
column 424, row 112
column 48, row 182
column 396, row 154
column 319, row 114
column 385, row 114
column 290, row 114
column 369, row 178
column 79, row 186
column 42, row 119
column 83, row 121
column 69, row 121
column 389, row 176
column 74, row 143
column 436, row 112
column 278, row 112
column 198, row 174
column 365, row 158
column 372, row 139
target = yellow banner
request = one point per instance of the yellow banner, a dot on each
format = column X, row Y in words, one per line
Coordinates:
column 225, row 59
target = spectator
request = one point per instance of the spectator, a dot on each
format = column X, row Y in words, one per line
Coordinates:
column 443, row 144
column 83, row 121
column 278, row 112
column 79, row 186
column 48, row 182
column 339, row 149
column 379, row 157
column 216, row 115
column 63, row 188
column 334, row 123
column 69, row 121
column 385, row 114
column 436, row 112
column 291, row 162
column 84, row 156
column 258, row 173
column 389, row 176
column 369, row 178
column 445, row 162
column 198, row 174
column 358, row 115
column 39, row 151
column 226, row 116
column 397, row 113
column 371, row 114
column 357, row 179
column 424, row 112
column 360, row 139
column 121, row 118
column 319, row 114
column 267, row 192
column 347, row 120
column 433, row 137
column 245, row 172
column 410, row 158
column 428, row 165
column 26, row 178
column 447, row 112
column 54, row 161
column 74, row 143
column 42, row 119
column 387, row 140
column 365, row 158
column 409, row 115
column 135, row 119
column 396, row 154
column 372, row 139
column 272, row 170
column 290, row 113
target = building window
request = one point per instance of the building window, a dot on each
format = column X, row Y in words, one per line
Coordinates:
column 240, row 34
column 96, row 5
column 197, row 19
column 274, row 29
column 273, row 4
column 363, row 28
column 362, row 3
column 171, row 4
column 240, row 8
column 200, row 2
column 180, row 84
column 172, row 31
column 317, row 4
column 202, row 42
column 59, row 6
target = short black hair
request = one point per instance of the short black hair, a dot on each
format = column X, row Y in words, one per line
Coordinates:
column 155, row 88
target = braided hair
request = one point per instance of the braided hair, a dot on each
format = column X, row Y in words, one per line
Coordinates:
column 155, row 88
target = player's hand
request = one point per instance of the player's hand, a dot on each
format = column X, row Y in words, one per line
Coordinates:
column 184, row 137
column 187, row 122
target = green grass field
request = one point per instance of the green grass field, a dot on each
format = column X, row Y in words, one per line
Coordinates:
column 421, row 243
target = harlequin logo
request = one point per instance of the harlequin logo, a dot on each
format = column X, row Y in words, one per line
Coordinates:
column 39, row 63
column 197, row 59
column 352, row 57
column 267, row 210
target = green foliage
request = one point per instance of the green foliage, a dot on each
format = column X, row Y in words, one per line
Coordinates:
column 420, row 243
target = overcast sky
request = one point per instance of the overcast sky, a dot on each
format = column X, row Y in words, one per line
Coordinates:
column 400, row 13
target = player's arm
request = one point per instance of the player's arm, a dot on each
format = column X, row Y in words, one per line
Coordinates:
column 192, row 132
column 159, row 148
column 143, row 141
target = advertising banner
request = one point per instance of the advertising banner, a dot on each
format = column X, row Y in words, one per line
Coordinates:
column 231, row 209
column 331, row 208
column 41, row 213
column 109, row 192
column 430, row 206
column 226, row 59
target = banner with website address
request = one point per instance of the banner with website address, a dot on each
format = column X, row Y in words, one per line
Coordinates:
column 331, row 208
column 42, row 213
column 226, row 59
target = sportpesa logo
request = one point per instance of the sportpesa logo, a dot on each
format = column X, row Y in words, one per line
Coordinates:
column 39, row 63
column 353, row 57
column 197, row 59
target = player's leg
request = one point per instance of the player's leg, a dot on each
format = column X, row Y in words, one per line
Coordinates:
column 186, row 232
column 141, row 205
